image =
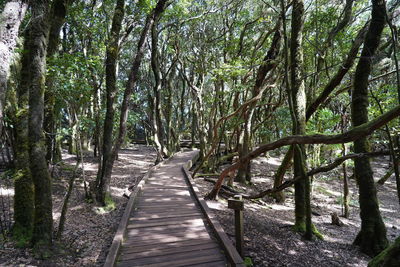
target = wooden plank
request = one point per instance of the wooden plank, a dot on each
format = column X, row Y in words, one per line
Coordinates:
column 161, row 211
column 193, row 222
column 165, row 194
column 174, row 204
column 206, row 255
column 211, row 264
column 161, row 189
column 163, row 223
column 129, row 255
column 132, row 243
column 234, row 257
column 165, row 187
column 183, row 218
column 154, row 217
column 167, row 245
column 155, row 206
column 184, row 215
column 145, row 200
column 183, row 262
column 160, row 236
column 164, row 229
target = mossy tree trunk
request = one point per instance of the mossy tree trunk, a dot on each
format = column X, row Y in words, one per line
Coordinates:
column 23, row 184
column 390, row 257
column 372, row 236
column 38, row 37
column 302, row 190
column 111, row 92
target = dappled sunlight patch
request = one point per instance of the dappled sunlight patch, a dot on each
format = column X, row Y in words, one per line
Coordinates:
column 216, row 205
column 260, row 179
column 280, row 207
column 116, row 191
column 387, row 210
column 6, row 191
column 56, row 215
column 77, row 207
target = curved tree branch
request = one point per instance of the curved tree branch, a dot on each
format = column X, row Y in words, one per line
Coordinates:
column 349, row 136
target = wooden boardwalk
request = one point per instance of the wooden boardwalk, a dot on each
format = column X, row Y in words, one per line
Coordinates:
column 167, row 224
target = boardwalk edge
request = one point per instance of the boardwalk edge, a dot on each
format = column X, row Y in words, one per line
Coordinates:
column 232, row 254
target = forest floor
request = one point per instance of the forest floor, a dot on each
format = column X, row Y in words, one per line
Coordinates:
column 269, row 240
column 89, row 230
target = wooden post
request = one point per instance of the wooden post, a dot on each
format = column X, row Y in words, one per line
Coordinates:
column 236, row 203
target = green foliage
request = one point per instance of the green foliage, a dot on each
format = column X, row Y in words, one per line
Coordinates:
column 301, row 228
column 248, row 262
column 21, row 236
column 110, row 205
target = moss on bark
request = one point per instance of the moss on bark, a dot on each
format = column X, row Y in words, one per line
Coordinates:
column 390, row 257
column 372, row 236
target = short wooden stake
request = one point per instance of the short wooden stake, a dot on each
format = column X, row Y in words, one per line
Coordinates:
column 236, row 203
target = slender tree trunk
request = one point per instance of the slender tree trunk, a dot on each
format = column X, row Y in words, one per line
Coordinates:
column 302, row 187
column 43, row 223
column 346, row 192
column 104, row 180
column 155, row 65
column 23, row 184
column 57, row 19
column 372, row 236
column 111, row 91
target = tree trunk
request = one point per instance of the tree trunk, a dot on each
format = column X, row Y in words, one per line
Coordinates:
column 104, row 179
column 11, row 18
column 111, row 92
column 23, row 185
column 43, row 224
column 155, row 66
column 302, row 187
column 372, row 236
column 57, row 19
column 390, row 257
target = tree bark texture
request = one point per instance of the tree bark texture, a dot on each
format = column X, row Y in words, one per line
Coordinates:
column 23, row 184
column 10, row 21
column 38, row 35
column 299, row 112
column 390, row 257
column 155, row 66
column 111, row 92
column 372, row 236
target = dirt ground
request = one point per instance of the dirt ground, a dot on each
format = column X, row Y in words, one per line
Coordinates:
column 88, row 230
column 269, row 240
